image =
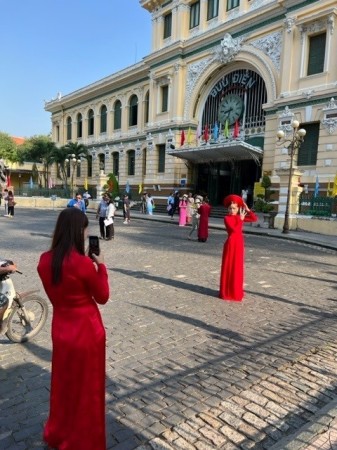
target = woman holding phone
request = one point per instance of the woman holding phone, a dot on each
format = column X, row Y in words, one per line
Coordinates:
column 75, row 284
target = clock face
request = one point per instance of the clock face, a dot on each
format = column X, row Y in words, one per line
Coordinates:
column 231, row 108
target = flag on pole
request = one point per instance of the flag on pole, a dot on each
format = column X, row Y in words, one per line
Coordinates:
column 215, row 131
column 206, row 134
column 236, row 130
column 316, row 187
column 189, row 136
column 328, row 189
column 86, row 183
column 226, row 130
column 182, row 138
column 334, row 187
column 140, row 188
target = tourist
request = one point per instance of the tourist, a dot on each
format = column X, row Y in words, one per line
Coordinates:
column 231, row 280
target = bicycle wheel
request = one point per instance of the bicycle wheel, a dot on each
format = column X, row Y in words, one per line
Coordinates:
column 37, row 310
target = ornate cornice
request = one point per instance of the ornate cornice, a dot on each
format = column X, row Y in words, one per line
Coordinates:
column 289, row 23
column 330, row 116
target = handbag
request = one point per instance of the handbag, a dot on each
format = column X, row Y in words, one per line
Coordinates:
column 108, row 222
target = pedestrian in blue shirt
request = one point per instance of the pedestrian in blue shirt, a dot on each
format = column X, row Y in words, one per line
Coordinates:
column 77, row 202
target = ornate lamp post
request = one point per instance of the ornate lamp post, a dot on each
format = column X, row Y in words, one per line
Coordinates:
column 73, row 163
column 294, row 144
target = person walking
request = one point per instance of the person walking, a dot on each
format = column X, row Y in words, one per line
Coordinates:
column 204, row 211
column 149, row 204
column 126, row 209
column 143, row 208
column 170, row 205
column 101, row 215
column 231, row 279
column 182, row 210
column 77, row 202
column 10, row 203
column 189, row 210
column 86, row 197
column 176, row 203
column 75, row 284
column 109, row 218
column 5, row 197
column 195, row 217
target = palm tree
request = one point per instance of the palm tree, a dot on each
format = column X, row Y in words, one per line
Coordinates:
column 74, row 153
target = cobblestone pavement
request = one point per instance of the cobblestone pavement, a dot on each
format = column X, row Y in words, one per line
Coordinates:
column 186, row 370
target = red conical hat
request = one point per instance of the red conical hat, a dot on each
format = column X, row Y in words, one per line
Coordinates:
column 233, row 199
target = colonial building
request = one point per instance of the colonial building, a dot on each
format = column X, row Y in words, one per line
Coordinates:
column 201, row 112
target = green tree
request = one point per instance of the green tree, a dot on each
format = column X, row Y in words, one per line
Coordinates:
column 39, row 149
column 8, row 148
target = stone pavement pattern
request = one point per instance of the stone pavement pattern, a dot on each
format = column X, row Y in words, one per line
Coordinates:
column 185, row 369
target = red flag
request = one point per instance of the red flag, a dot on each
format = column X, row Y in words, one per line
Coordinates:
column 236, row 130
column 206, row 133
column 182, row 138
column 8, row 180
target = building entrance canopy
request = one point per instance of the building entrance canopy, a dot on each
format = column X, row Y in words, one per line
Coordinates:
column 235, row 150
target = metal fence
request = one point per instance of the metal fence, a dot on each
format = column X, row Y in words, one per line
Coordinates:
column 317, row 206
column 45, row 192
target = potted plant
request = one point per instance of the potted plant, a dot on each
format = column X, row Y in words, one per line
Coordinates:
column 262, row 202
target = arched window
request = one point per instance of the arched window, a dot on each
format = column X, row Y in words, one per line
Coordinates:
column 89, row 166
column 146, row 107
column 115, row 163
column 69, row 124
column 91, row 122
column 131, row 162
column 103, row 119
column 133, row 111
column 79, row 125
column 118, row 115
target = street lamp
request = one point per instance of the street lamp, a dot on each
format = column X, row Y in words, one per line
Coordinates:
column 294, row 144
column 73, row 162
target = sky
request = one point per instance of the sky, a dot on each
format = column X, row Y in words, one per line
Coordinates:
column 51, row 46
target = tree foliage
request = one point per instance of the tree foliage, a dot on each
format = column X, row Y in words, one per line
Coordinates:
column 8, row 148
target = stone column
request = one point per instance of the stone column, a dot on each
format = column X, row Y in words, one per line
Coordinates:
column 295, row 192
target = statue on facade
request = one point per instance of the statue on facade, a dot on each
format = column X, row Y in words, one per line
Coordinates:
column 228, row 48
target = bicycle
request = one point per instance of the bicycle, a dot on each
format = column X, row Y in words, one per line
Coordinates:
column 22, row 315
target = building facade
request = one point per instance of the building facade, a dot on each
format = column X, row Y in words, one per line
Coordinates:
column 201, row 112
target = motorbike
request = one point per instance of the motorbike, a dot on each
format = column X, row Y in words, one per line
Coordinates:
column 22, row 315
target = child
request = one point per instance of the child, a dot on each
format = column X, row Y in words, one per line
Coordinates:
column 231, row 281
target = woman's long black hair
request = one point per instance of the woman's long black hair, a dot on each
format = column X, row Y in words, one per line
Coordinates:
column 68, row 236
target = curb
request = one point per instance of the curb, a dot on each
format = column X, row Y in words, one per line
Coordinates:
column 260, row 231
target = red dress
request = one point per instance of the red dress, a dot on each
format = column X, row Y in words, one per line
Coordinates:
column 77, row 397
column 204, row 211
column 231, row 281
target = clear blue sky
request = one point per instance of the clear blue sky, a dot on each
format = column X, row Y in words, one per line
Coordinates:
column 50, row 46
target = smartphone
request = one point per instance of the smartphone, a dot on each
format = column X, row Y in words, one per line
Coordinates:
column 93, row 245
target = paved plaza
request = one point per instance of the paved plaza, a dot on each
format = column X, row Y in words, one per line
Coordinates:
column 186, row 370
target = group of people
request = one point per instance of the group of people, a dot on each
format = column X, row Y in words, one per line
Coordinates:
column 147, row 204
column 9, row 202
column 76, row 283
column 106, row 214
column 194, row 210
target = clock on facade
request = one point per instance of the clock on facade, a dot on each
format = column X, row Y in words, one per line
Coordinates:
column 231, row 109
